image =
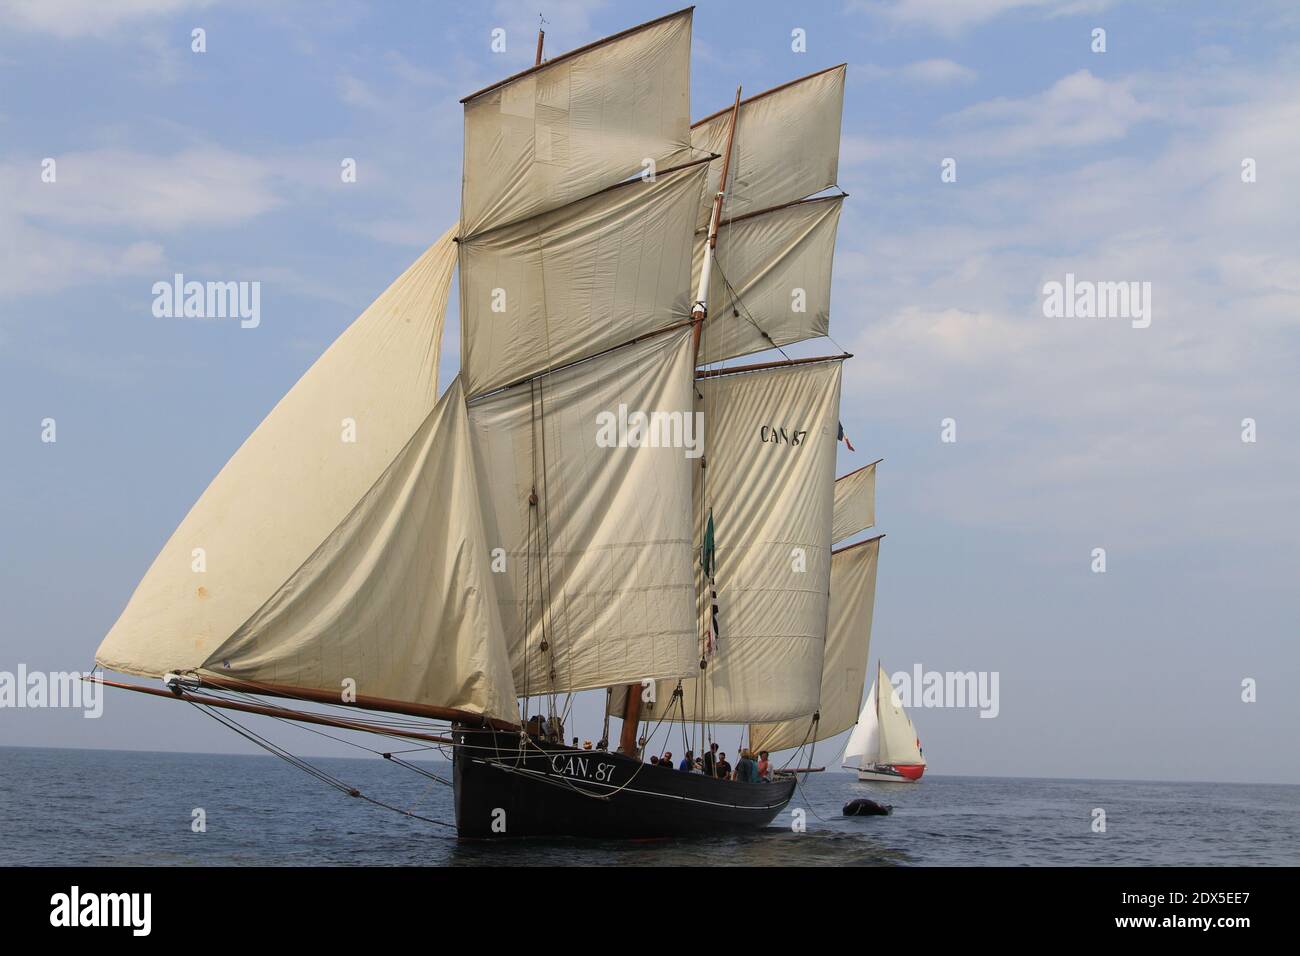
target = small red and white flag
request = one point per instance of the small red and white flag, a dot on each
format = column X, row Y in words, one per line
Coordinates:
column 845, row 438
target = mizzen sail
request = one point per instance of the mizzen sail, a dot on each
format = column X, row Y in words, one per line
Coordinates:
column 855, row 502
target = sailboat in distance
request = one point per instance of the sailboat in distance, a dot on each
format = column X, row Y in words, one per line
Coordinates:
column 450, row 569
column 884, row 740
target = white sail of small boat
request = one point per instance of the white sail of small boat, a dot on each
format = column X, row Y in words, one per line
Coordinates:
column 884, row 742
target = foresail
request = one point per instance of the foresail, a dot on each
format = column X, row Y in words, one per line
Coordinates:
column 397, row 602
column 786, row 147
column 898, row 743
column 855, row 502
column 848, row 648
column 577, row 124
column 594, row 581
column 294, row 479
column 571, row 283
column 771, row 283
column 864, row 743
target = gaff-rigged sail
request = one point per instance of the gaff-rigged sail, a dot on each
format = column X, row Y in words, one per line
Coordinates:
column 293, row 481
column 844, row 665
column 898, row 744
column 770, row 453
column 594, row 579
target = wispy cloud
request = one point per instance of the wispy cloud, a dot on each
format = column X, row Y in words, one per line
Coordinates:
column 69, row 19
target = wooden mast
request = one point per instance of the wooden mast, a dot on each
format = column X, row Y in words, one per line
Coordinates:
column 541, row 36
column 632, row 708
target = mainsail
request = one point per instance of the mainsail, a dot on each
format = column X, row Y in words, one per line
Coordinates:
column 594, row 581
column 844, row 665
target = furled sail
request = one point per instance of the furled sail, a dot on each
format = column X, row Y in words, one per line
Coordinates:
column 599, row 569
column 399, row 597
column 774, row 269
column 577, row 124
column 293, row 481
column 770, row 453
column 855, row 502
column 786, row 147
column 844, row 664
column 568, row 284
column 898, row 744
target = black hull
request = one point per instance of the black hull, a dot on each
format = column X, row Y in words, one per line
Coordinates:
column 550, row 790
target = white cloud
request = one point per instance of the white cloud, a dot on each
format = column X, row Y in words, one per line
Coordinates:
column 70, row 19
column 199, row 186
column 951, row 17
column 932, row 72
column 1078, row 110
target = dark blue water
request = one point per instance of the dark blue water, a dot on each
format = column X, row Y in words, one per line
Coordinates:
column 84, row 807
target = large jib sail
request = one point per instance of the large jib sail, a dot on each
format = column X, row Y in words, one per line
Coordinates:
column 357, row 480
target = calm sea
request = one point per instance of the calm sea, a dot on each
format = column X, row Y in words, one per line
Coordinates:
column 84, row 807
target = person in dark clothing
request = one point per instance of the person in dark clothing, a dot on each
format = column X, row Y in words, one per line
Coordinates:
column 711, row 761
column 667, row 760
column 724, row 768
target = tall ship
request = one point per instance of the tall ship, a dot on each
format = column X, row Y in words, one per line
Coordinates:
column 603, row 499
column 884, row 742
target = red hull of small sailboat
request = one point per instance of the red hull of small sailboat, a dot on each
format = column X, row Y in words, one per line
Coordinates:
column 911, row 772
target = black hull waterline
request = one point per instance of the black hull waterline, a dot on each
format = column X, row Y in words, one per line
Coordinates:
column 542, row 789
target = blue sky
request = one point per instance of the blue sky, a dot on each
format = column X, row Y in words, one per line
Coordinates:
column 1073, row 434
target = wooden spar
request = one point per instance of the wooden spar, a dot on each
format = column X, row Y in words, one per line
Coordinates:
column 362, row 702
column 627, row 742
column 857, row 544
column 632, row 709
column 268, row 711
column 788, row 363
column 541, row 36
column 579, row 51
column 863, row 468
column 701, row 308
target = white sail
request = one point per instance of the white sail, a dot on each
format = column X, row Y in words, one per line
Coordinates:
column 770, row 453
column 898, row 743
column 844, row 664
column 577, row 124
column 774, row 269
column 292, row 482
column 864, row 743
column 571, row 283
column 398, row 599
column 786, row 147
column 600, row 568
column 855, row 502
